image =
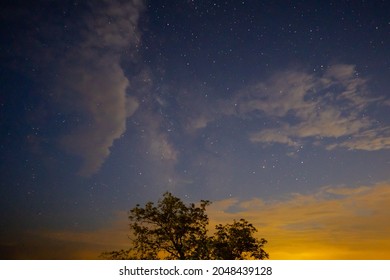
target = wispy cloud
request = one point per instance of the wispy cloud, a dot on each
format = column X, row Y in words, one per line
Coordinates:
column 270, row 136
column 331, row 109
column 308, row 107
column 281, row 94
column 370, row 140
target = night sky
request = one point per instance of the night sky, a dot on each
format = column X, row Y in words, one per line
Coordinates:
column 276, row 111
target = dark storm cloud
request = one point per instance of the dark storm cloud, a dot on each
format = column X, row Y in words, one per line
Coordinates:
column 92, row 81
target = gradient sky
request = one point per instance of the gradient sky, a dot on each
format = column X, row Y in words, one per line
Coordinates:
column 277, row 111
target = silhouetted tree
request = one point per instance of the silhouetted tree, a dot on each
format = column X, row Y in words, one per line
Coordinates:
column 172, row 230
column 236, row 242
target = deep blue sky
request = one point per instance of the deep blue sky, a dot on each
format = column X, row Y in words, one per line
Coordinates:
column 106, row 104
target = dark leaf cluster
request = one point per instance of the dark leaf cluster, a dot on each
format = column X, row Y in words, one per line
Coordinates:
column 173, row 230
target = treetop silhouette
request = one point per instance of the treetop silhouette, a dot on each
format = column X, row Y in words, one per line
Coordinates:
column 173, row 230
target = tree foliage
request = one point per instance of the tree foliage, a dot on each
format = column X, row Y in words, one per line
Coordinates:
column 172, row 230
column 236, row 242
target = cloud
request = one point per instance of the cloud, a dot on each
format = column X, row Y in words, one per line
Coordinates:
column 333, row 223
column 199, row 123
column 93, row 84
column 331, row 109
column 101, row 100
column 369, row 140
column 339, row 72
column 281, row 94
column 310, row 107
column 269, row 136
column 197, row 109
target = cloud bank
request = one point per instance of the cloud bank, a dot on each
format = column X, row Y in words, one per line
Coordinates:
column 93, row 84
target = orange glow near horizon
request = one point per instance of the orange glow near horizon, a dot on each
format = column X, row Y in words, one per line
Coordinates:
column 332, row 224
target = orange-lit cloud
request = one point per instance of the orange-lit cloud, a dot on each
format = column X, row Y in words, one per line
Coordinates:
column 334, row 223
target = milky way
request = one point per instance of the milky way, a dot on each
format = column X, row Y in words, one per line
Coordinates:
column 105, row 104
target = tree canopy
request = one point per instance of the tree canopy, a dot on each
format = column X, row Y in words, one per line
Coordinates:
column 173, row 230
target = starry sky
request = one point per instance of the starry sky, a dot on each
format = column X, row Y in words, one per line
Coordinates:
column 276, row 111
